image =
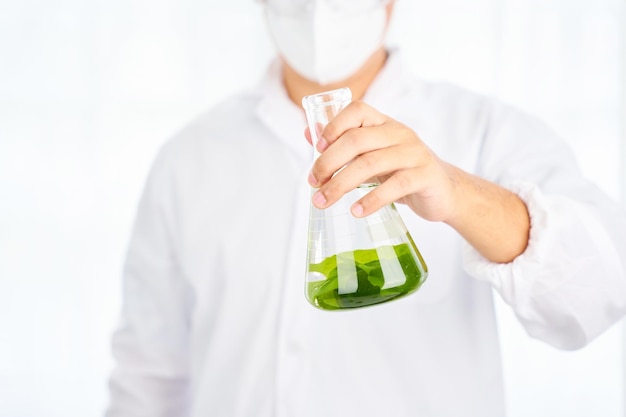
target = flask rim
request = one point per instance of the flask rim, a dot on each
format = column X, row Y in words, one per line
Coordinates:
column 327, row 98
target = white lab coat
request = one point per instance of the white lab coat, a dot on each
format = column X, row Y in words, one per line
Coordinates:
column 215, row 322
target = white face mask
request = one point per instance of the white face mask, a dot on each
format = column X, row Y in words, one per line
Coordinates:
column 326, row 45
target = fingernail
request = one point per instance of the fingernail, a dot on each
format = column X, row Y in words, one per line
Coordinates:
column 318, row 199
column 322, row 144
column 312, row 180
column 357, row 210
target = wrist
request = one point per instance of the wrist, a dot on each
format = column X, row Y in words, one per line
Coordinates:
column 494, row 220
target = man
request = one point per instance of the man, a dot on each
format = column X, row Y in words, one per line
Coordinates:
column 215, row 322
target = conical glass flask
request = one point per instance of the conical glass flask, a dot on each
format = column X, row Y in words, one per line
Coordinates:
column 355, row 262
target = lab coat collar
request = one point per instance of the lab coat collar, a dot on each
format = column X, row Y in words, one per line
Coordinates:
column 287, row 120
column 278, row 113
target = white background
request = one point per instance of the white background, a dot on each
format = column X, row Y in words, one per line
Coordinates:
column 89, row 89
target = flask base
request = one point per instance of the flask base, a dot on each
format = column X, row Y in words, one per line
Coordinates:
column 366, row 271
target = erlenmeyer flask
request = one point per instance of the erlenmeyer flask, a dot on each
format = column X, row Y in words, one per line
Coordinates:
column 355, row 262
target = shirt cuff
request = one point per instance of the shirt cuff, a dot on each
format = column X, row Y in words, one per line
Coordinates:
column 540, row 214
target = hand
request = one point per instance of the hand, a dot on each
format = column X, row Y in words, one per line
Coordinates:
column 370, row 144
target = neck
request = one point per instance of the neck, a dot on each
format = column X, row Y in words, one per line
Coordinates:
column 298, row 87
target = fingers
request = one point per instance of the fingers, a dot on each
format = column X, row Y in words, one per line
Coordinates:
column 356, row 114
column 318, row 133
column 393, row 189
column 360, row 144
column 391, row 160
column 353, row 143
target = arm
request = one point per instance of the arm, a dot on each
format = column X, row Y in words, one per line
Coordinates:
column 546, row 239
column 569, row 285
column 491, row 218
column 150, row 345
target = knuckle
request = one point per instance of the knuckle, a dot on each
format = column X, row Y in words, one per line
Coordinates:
column 428, row 156
column 359, row 105
column 329, row 132
column 321, row 165
column 403, row 180
column 351, row 138
column 423, row 155
column 369, row 162
column 332, row 191
column 320, row 169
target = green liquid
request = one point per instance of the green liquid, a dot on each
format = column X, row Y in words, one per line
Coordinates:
column 366, row 265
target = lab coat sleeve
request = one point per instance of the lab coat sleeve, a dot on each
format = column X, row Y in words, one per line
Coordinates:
column 150, row 346
column 569, row 285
